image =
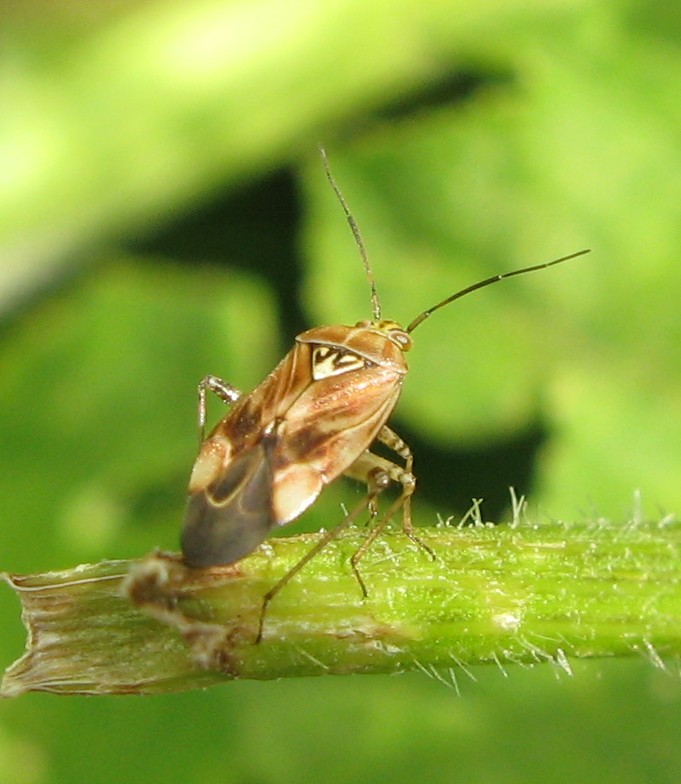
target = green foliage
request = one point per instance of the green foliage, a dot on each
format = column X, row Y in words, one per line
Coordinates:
column 469, row 139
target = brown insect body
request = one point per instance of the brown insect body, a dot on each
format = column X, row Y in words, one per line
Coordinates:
column 311, row 420
column 306, row 424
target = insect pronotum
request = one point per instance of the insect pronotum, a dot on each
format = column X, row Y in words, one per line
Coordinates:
column 312, row 419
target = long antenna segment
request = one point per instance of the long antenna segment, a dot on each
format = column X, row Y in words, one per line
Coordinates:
column 375, row 301
column 488, row 282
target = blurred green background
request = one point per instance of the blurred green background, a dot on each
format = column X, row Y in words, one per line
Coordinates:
column 164, row 214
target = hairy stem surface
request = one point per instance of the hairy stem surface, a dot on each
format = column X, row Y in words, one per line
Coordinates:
column 500, row 594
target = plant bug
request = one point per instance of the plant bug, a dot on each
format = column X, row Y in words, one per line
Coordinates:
column 312, row 419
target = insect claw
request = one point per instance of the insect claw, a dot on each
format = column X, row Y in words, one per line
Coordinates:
column 359, row 578
column 419, row 543
column 263, row 611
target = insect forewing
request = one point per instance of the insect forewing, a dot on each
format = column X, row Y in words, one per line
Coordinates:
column 231, row 516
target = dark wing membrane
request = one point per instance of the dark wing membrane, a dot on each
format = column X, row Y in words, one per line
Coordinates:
column 233, row 515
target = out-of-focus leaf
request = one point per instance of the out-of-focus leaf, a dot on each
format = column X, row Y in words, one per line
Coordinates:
column 98, row 404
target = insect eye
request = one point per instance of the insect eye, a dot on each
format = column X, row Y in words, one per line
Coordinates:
column 401, row 338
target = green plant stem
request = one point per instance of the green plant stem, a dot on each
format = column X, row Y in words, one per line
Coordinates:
column 505, row 594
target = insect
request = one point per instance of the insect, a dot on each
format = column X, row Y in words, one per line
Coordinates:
column 312, row 419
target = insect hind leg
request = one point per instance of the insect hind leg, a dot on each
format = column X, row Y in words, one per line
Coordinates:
column 321, row 544
column 377, row 473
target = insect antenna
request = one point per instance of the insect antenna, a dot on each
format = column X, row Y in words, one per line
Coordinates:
column 375, row 302
column 488, row 282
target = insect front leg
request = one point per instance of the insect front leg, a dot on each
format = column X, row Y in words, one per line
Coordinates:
column 404, row 476
column 226, row 392
column 362, row 469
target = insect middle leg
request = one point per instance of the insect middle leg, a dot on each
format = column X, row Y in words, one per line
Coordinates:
column 404, row 476
column 226, row 392
column 362, row 468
